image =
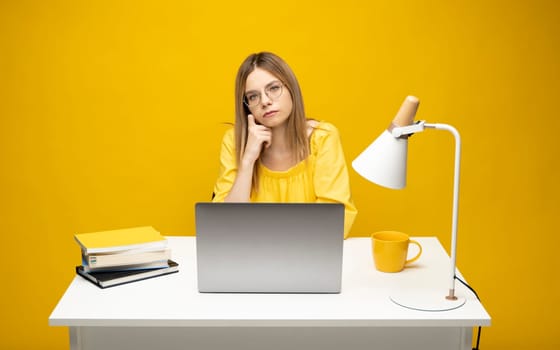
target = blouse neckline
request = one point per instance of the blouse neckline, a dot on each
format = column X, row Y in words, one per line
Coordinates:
column 295, row 169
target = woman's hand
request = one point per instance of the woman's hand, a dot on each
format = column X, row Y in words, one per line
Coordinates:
column 258, row 136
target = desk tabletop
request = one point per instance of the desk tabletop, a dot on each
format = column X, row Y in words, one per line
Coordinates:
column 174, row 300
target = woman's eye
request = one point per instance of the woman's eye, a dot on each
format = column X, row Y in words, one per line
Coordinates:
column 274, row 88
column 252, row 97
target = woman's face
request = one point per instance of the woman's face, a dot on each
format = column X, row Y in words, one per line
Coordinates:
column 269, row 100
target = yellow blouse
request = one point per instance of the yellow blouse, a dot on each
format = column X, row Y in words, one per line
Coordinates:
column 321, row 178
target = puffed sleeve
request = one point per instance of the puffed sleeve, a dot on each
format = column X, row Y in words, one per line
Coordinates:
column 330, row 176
column 228, row 167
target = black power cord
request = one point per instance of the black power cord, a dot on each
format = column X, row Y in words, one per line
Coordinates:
column 476, row 295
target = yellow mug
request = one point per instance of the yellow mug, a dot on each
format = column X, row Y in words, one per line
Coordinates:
column 390, row 250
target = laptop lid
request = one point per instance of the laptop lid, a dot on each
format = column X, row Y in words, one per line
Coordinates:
column 269, row 247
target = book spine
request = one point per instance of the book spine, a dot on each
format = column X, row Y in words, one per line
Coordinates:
column 87, row 276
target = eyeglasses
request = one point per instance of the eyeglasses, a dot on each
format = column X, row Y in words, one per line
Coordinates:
column 273, row 91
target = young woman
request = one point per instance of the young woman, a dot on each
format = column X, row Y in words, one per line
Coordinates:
column 274, row 153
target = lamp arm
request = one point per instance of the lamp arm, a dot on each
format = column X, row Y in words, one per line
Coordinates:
column 405, row 131
column 455, row 204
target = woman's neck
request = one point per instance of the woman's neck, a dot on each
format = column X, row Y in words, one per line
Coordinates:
column 279, row 139
column 278, row 156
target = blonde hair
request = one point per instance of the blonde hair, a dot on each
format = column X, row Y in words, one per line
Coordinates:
column 297, row 123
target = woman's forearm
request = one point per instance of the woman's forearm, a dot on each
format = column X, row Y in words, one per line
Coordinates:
column 241, row 189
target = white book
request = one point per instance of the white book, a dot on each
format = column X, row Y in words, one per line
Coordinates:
column 125, row 258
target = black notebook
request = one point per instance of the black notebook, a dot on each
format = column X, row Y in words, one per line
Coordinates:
column 113, row 278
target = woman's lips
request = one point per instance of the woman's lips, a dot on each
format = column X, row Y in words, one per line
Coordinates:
column 269, row 114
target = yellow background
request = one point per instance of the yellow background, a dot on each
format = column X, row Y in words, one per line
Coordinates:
column 111, row 116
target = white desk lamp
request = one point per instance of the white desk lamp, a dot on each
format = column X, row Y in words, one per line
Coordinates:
column 384, row 163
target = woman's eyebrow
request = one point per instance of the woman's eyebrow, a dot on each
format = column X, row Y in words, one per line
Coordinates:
column 271, row 83
column 267, row 85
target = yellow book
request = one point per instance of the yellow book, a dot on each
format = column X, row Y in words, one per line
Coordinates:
column 120, row 240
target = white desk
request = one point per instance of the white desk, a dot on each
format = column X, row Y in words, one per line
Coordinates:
column 167, row 312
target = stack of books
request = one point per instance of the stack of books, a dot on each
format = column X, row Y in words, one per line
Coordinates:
column 110, row 258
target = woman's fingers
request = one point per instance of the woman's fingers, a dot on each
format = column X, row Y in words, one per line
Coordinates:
column 251, row 120
column 258, row 136
column 260, row 132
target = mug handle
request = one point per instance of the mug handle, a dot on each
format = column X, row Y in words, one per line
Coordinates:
column 417, row 255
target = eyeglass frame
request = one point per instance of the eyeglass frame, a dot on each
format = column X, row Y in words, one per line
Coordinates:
column 267, row 93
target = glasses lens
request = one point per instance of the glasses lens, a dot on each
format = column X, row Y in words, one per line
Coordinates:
column 252, row 99
column 274, row 90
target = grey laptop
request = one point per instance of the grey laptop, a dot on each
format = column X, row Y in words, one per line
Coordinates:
column 269, row 247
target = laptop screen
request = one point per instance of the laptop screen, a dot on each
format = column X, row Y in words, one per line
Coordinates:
column 269, row 247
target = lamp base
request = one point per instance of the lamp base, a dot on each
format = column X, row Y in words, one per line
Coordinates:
column 426, row 300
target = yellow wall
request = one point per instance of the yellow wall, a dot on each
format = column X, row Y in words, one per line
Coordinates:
column 110, row 117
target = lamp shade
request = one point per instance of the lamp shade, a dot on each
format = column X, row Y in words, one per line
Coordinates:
column 384, row 161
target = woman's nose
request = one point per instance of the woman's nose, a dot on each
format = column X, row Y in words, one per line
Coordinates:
column 265, row 100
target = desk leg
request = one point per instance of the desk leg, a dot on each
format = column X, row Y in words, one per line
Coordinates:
column 466, row 338
column 75, row 338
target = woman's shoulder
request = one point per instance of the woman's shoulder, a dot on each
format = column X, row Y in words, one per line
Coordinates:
column 229, row 135
column 228, row 139
column 321, row 129
column 324, row 133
